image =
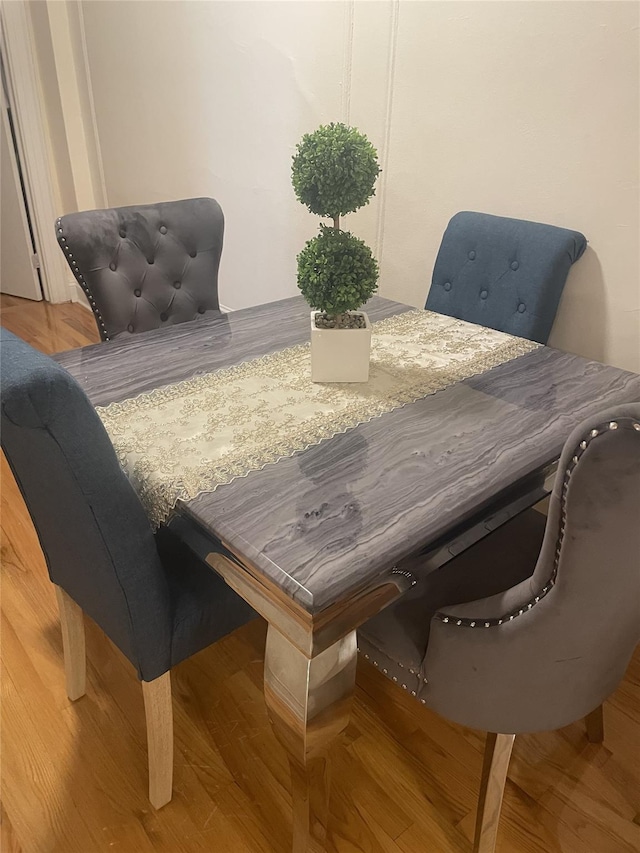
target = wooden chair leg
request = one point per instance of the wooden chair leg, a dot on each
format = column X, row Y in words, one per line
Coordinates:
column 595, row 725
column 159, row 714
column 497, row 753
column 75, row 657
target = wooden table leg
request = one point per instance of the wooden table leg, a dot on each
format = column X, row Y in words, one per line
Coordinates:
column 309, row 701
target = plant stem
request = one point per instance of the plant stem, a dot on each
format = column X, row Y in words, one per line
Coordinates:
column 336, row 222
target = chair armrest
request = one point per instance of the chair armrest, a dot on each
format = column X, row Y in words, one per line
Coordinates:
column 496, row 609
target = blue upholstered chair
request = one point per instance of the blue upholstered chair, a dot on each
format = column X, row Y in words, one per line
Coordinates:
column 506, row 274
column 532, row 628
column 150, row 594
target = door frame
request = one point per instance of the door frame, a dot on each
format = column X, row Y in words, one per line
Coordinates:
column 16, row 43
column 22, row 276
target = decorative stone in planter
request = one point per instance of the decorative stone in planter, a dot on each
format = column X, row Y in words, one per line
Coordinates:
column 340, row 354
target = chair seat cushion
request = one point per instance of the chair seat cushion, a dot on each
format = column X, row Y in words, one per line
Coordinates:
column 397, row 638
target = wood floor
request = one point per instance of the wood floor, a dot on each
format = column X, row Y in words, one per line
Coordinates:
column 405, row 781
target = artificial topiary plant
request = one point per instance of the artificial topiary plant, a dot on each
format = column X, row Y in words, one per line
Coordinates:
column 334, row 172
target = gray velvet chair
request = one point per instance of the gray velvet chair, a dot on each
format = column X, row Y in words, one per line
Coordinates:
column 550, row 647
column 150, row 594
column 146, row 266
column 507, row 274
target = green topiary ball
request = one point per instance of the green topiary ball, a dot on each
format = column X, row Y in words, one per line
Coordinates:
column 334, row 170
column 336, row 271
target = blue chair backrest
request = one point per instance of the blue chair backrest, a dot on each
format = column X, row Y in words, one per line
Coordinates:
column 506, row 274
column 96, row 538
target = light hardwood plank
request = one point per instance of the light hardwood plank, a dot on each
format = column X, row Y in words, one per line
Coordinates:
column 8, row 839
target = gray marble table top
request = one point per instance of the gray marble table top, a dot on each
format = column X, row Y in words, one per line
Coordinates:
column 329, row 520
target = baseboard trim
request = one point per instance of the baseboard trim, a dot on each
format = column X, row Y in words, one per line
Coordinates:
column 77, row 295
column 225, row 309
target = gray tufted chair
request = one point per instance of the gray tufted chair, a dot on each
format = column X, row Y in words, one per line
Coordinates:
column 507, row 274
column 151, row 595
column 551, row 645
column 146, row 266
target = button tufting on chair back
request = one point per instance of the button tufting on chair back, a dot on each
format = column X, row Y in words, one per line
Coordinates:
column 146, row 266
column 506, row 274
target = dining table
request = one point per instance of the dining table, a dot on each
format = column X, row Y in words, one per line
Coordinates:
column 319, row 529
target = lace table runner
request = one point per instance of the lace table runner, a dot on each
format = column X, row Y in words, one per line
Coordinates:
column 178, row 441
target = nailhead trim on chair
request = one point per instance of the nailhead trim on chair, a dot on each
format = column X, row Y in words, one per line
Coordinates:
column 385, row 671
column 396, row 571
column 625, row 423
column 62, row 240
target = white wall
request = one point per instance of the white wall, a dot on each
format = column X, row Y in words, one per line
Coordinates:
column 210, row 99
column 526, row 109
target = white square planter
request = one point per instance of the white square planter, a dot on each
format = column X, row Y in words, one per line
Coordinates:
column 340, row 355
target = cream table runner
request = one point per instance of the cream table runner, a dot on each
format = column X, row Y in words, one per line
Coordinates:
column 178, row 441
